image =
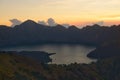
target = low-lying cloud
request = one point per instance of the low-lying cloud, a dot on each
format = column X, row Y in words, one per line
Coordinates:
column 42, row 22
column 15, row 22
column 101, row 23
column 51, row 22
column 66, row 25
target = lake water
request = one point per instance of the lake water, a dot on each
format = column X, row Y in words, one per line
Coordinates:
column 65, row 54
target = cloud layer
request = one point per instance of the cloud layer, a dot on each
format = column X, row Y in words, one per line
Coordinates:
column 42, row 22
column 51, row 22
column 15, row 22
column 101, row 23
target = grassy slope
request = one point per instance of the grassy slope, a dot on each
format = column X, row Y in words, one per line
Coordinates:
column 16, row 67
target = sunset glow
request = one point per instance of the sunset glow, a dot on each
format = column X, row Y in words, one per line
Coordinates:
column 74, row 12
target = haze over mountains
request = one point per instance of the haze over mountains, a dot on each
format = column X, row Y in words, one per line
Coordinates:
column 50, row 22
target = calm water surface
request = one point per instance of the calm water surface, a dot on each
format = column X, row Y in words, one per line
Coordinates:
column 65, row 54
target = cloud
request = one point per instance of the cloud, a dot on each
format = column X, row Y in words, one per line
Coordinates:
column 66, row 25
column 51, row 22
column 15, row 22
column 42, row 22
column 101, row 23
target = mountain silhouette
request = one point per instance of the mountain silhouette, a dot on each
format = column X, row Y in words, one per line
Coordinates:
column 30, row 32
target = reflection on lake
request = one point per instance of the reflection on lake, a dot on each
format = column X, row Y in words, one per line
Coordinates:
column 65, row 53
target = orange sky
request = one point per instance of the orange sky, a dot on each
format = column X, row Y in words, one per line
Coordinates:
column 76, row 12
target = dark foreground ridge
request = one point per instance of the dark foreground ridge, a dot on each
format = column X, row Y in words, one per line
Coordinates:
column 18, row 67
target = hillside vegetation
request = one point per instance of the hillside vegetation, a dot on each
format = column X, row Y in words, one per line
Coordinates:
column 16, row 67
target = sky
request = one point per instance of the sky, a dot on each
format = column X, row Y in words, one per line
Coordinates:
column 74, row 12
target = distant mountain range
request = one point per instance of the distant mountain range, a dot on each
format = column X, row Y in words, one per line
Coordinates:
column 30, row 32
